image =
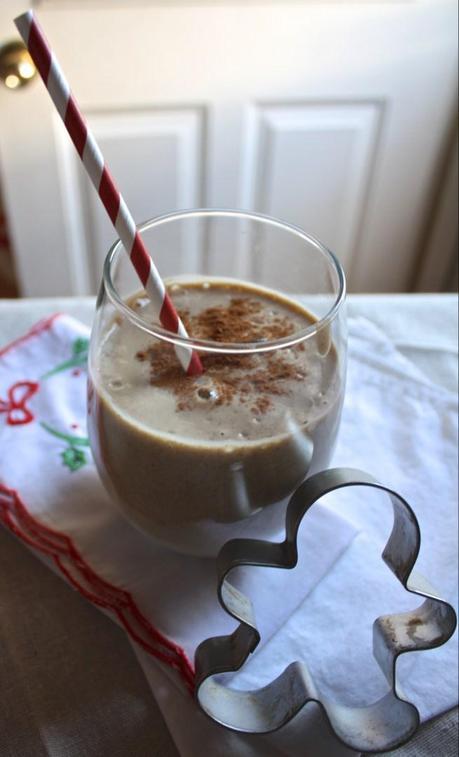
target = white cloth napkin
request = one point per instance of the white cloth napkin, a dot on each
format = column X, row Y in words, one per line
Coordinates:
column 396, row 425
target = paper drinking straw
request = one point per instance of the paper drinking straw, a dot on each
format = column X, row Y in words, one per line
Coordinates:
column 93, row 161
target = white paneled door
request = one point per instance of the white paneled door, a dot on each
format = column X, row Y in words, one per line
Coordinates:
column 330, row 115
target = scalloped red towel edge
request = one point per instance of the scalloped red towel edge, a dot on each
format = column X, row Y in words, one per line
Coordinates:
column 61, row 549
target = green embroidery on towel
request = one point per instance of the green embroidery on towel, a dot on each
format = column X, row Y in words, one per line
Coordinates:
column 72, row 457
column 79, row 358
column 74, row 441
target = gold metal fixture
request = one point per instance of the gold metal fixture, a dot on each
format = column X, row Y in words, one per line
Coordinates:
column 16, row 65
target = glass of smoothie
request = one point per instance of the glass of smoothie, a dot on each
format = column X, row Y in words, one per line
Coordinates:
column 195, row 461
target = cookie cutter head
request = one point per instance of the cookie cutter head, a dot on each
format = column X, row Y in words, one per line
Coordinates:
column 383, row 725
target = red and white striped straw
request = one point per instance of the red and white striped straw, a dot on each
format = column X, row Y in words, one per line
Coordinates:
column 93, row 161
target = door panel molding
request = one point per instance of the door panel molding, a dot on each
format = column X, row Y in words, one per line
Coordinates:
column 157, row 158
column 312, row 161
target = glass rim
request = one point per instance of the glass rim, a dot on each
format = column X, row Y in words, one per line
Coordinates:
column 157, row 331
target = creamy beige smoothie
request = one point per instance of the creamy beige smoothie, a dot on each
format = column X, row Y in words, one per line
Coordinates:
column 195, row 461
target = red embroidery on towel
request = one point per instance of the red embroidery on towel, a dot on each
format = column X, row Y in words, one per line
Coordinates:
column 15, row 404
column 39, row 328
column 60, row 548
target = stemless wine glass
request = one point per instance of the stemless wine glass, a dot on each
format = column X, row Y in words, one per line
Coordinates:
column 195, row 461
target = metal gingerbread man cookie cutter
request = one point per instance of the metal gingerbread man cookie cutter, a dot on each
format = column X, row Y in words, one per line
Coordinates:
column 383, row 725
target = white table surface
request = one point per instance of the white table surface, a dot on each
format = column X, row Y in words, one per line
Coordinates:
column 70, row 685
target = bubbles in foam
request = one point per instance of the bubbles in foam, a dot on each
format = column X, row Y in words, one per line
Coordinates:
column 207, row 393
column 116, row 384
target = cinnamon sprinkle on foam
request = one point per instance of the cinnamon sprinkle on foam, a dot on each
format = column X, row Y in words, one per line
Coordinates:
column 229, row 378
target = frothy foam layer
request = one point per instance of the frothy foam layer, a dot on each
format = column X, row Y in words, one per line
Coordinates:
column 239, row 398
